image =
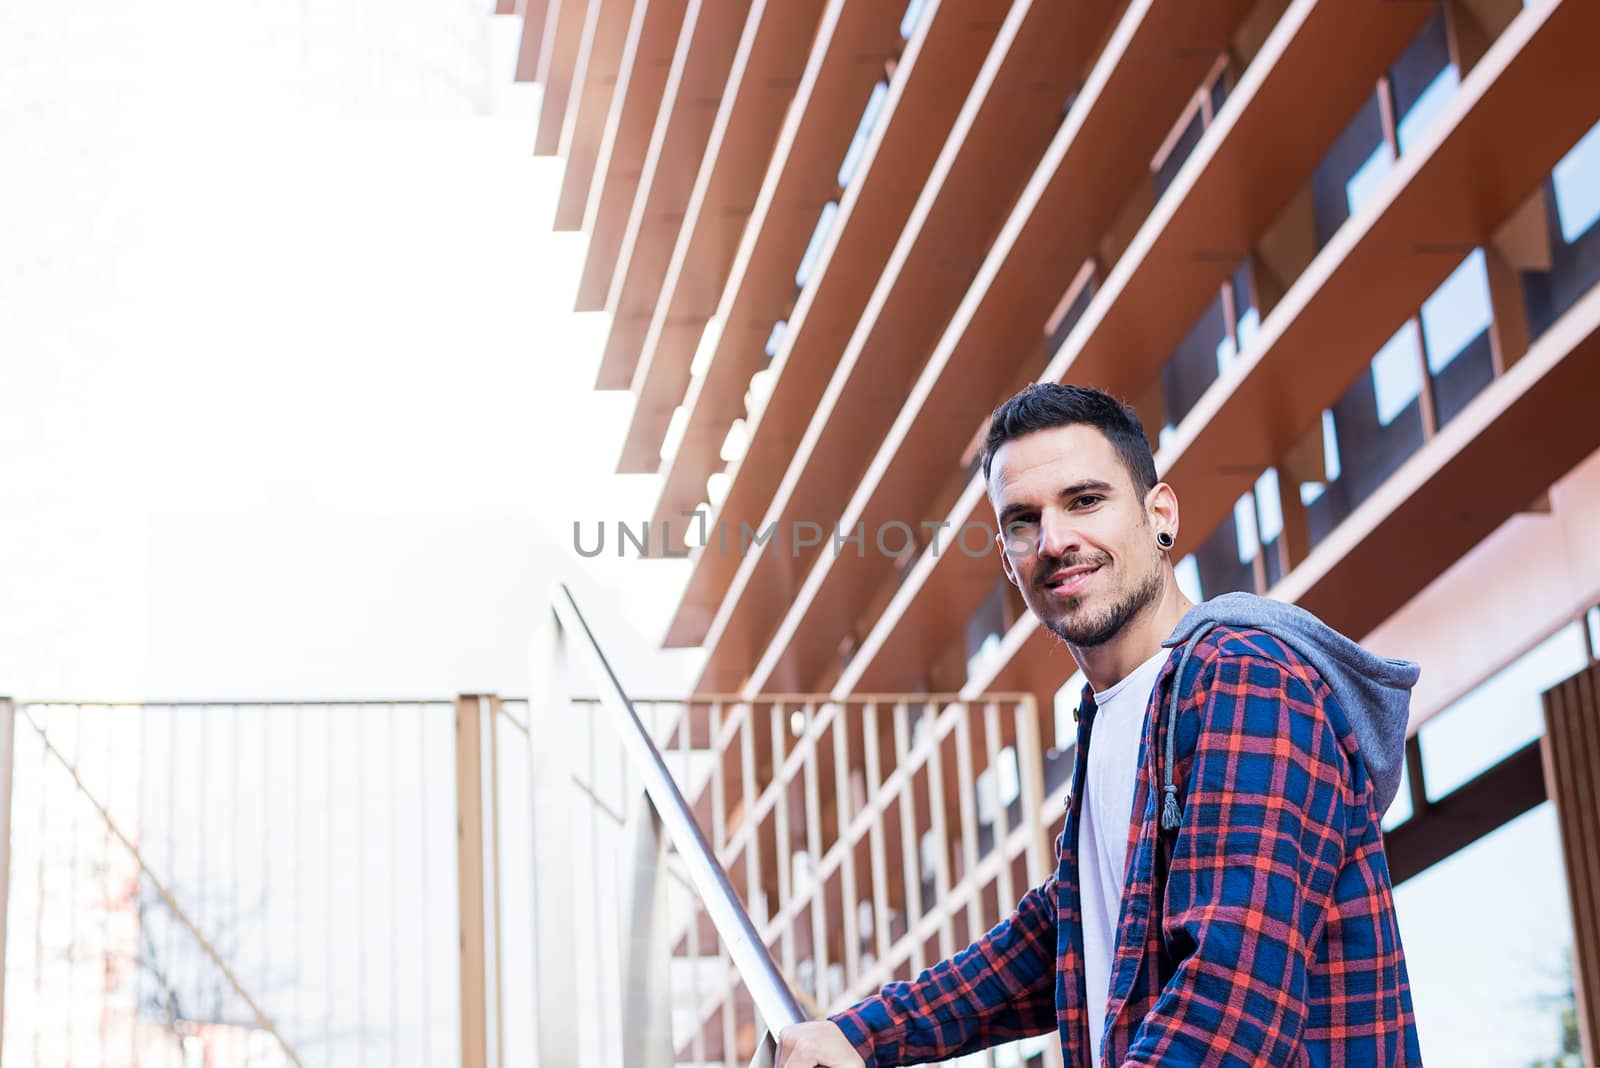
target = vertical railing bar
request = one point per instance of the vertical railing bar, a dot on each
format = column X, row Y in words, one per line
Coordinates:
column 298, row 923
column 39, row 925
column 1030, row 767
column 819, row 899
column 847, row 867
column 7, row 760
column 138, row 793
column 328, row 880
column 71, row 894
column 747, row 761
column 489, row 708
column 233, row 830
column 107, row 890
column 1002, row 819
column 391, row 867
column 780, row 810
column 697, row 1041
column 937, row 819
column 425, row 895
column 910, row 844
column 265, row 718
column 880, row 859
column 202, row 889
column 360, row 716
column 967, row 783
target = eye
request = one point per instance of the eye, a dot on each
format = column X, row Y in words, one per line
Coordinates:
column 1022, row 523
column 1089, row 499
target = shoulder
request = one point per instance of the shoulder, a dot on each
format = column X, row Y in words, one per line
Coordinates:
column 1231, row 650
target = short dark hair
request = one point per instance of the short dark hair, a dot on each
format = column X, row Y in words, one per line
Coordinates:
column 1045, row 405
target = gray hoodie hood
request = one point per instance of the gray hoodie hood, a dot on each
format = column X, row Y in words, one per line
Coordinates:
column 1374, row 691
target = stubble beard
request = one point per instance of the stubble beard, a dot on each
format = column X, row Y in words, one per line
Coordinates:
column 1099, row 629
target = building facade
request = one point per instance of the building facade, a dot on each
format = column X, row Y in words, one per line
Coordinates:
column 1340, row 256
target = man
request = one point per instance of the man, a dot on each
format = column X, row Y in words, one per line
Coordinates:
column 1221, row 895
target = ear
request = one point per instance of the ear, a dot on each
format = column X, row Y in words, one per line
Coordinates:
column 1161, row 508
column 1005, row 560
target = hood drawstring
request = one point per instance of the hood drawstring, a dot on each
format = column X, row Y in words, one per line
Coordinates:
column 1171, row 811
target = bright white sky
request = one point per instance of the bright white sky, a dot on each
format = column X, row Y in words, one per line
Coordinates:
column 295, row 402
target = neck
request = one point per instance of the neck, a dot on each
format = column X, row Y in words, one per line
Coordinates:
column 1110, row 662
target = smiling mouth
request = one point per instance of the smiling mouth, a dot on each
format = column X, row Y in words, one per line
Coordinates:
column 1070, row 585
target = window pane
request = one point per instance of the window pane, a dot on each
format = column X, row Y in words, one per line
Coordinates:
column 1577, row 186
column 1400, row 808
column 1346, row 176
column 1487, row 937
column 1499, row 717
column 1397, row 373
column 808, row 262
column 1423, row 80
column 1193, row 367
column 858, row 143
column 1457, row 312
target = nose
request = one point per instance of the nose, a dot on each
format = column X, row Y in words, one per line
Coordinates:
column 1058, row 535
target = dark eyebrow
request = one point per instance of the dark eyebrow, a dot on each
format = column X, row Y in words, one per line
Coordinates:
column 1083, row 486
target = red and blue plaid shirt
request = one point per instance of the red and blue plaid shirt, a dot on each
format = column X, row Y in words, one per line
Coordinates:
column 1261, row 932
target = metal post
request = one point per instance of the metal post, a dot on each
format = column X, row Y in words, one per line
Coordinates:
column 551, row 755
column 7, row 737
column 647, row 946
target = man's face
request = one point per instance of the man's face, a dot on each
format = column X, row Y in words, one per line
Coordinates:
column 1073, row 531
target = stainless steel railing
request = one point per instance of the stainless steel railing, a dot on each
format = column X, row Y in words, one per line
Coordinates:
column 773, row 999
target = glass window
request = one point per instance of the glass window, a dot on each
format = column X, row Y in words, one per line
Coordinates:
column 1269, row 507
column 1422, row 82
column 858, row 143
column 1487, row 934
column 1218, row 563
column 775, row 338
column 1400, row 808
column 1187, row 572
column 1457, row 312
column 1361, row 447
column 1193, row 366
column 914, row 12
column 1572, row 204
column 1577, row 186
column 1455, row 333
column 1500, row 716
column 985, row 628
column 1244, row 526
column 1347, row 176
column 1180, row 153
column 808, row 262
column 1397, row 373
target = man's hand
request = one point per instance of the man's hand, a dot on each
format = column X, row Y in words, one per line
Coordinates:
column 818, row 1044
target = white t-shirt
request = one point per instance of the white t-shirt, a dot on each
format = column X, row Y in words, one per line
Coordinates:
column 1106, row 800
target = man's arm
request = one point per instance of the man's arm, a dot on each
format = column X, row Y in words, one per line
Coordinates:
column 1252, row 872
column 1000, row 988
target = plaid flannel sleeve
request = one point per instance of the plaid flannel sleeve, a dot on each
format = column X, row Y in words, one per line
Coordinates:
column 1000, row 988
column 1253, row 868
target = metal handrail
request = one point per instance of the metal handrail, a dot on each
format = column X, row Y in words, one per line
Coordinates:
column 774, row 1001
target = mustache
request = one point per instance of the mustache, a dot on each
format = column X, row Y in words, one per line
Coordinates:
column 1054, row 564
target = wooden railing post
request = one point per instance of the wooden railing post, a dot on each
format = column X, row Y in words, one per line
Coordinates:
column 477, row 854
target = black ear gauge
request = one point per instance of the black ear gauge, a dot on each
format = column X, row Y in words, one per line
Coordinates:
column 1165, row 540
